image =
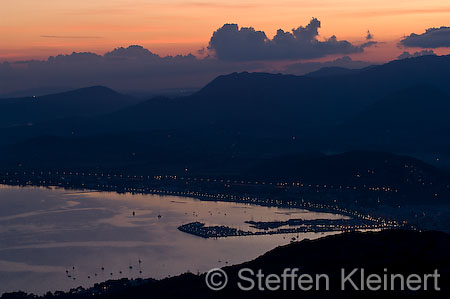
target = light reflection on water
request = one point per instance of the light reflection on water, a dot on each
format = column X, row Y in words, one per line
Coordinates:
column 45, row 232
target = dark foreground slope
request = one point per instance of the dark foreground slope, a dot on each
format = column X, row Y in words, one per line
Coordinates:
column 399, row 252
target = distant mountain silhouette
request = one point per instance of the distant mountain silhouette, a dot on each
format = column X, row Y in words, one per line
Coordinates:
column 81, row 102
column 417, row 106
column 414, row 118
column 400, row 107
column 260, row 103
column 40, row 91
column 332, row 71
column 276, row 103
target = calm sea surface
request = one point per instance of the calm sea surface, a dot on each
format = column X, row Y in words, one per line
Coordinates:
column 45, row 232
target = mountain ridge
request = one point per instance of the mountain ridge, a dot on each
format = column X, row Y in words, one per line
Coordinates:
column 84, row 102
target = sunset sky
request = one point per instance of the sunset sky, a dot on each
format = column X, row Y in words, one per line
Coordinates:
column 33, row 29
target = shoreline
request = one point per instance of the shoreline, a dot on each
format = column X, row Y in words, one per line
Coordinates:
column 220, row 197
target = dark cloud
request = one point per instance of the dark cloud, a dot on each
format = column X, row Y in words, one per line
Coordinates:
column 132, row 52
column 368, row 44
column 231, row 49
column 302, row 68
column 133, row 68
column 406, row 55
column 231, row 43
column 432, row 38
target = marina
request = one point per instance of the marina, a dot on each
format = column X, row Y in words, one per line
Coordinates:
column 57, row 239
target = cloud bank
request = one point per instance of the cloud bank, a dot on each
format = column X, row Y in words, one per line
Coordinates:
column 133, row 68
column 406, row 55
column 231, row 43
column 432, row 38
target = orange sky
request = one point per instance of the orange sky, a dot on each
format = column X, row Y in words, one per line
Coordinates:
column 39, row 28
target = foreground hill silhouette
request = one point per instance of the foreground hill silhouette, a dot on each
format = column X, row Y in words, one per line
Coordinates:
column 404, row 252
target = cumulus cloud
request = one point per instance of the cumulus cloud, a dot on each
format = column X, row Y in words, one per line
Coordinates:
column 406, row 55
column 302, row 68
column 368, row 44
column 132, row 52
column 133, row 68
column 432, row 38
column 231, row 43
